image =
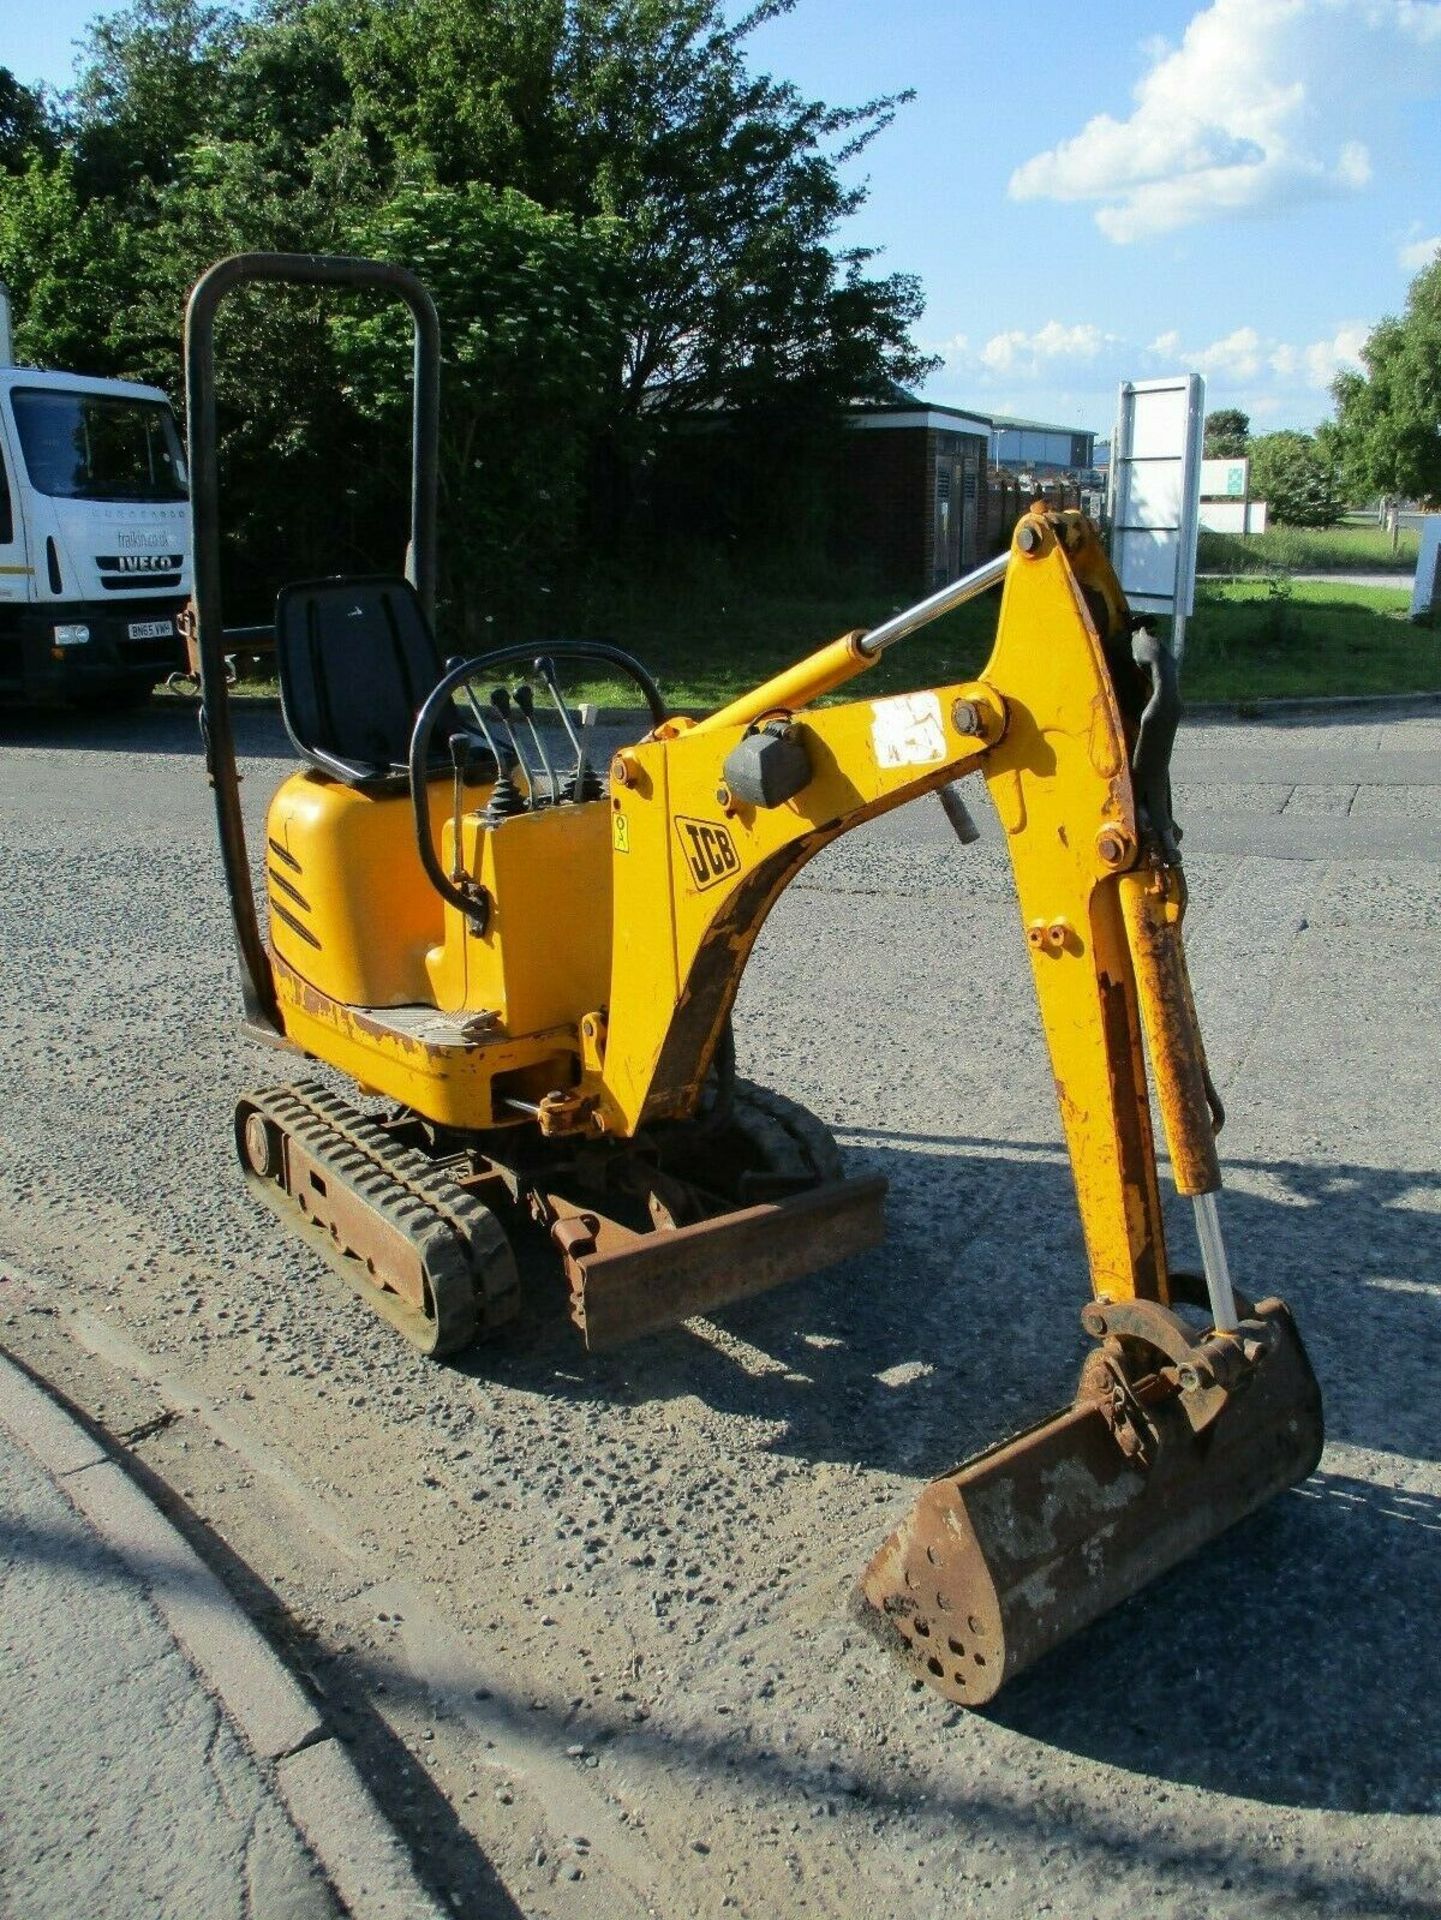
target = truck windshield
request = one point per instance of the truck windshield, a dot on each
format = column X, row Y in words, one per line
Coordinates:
column 91, row 446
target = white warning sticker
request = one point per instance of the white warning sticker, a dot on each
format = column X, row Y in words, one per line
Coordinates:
column 907, row 731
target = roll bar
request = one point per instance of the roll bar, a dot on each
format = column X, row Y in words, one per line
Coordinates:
column 296, row 270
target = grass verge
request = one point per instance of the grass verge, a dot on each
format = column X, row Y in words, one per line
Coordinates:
column 1343, row 549
column 1247, row 640
column 1256, row 640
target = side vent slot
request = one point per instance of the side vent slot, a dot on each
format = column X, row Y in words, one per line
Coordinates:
column 291, row 893
column 295, row 926
column 52, row 563
column 283, row 857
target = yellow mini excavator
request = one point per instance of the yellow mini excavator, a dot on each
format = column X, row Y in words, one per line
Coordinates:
column 527, row 961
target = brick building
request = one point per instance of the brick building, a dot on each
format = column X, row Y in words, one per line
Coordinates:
column 914, row 489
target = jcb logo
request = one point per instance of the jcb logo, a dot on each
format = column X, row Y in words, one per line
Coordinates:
column 709, row 852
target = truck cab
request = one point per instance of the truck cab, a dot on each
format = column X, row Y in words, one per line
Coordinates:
column 94, row 537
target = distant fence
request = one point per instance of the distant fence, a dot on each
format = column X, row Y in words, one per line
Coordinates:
column 1001, row 500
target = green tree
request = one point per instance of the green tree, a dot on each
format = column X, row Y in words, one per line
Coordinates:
column 1297, row 478
column 1228, row 434
column 1388, row 418
column 532, row 316
column 627, row 228
column 71, row 271
column 308, row 485
column 153, row 79
column 727, row 185
column 27, row 128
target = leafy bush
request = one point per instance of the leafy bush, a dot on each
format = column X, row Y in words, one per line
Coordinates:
column 1297, row 478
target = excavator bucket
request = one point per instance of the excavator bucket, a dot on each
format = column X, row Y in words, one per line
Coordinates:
column 1007, row 1556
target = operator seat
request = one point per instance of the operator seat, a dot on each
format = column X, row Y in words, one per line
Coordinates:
column 356, row 658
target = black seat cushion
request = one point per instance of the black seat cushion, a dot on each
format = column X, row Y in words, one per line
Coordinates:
column 356, row 659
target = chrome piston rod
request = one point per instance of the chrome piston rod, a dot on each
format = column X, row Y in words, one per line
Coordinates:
column 969, row 587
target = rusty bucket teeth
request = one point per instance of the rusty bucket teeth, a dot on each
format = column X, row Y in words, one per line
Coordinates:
column 1010, row 1554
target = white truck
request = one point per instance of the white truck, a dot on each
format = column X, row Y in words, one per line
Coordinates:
column 94, row 535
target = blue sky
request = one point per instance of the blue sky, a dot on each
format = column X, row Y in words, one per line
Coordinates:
column 1124, row 191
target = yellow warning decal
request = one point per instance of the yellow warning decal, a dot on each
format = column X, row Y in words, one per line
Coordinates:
column 620, row 833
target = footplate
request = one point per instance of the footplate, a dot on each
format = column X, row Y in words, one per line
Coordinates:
column 1007, row 1556
column 426, row 1254
column 623, row 1284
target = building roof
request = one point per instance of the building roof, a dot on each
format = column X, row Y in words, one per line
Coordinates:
column 1005, row 420
column 901, row 397
column 904, row 409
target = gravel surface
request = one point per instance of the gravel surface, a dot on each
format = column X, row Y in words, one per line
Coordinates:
column 585, row 1622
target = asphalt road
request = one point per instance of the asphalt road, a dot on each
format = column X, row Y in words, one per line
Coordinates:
column 585, row 1622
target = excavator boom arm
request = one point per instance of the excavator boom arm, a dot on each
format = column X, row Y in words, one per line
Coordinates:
column 1045, row 726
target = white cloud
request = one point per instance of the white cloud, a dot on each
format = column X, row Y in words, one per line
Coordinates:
column 1324, row 359
column 1244, row 116
column 1417, row 254
column 957, row 348
column 1237, row 357
column 1017, row 351
column 1070, row 369
column 1244, row 358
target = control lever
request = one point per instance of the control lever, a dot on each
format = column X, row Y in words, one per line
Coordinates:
column 455, row 661
column 545, row 667
column 462, row 753
column 500, row 704
column 525, row 701
column 586, row 785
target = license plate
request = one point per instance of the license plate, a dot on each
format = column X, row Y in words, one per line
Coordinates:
column 150, row 629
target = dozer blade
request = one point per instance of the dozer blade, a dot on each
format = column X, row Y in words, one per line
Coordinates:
column 624, row 1284
column 1008, row 1555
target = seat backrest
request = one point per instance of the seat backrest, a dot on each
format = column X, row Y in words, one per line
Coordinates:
column 356, row 658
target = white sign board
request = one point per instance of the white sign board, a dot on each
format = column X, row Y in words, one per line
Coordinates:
column 1233, row 516
column 1155, row 491
column 1224, row 479
column 1427, row 584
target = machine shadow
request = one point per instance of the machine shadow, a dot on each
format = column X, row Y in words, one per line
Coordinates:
column 171, row 726
column 964, row 1328
column 1330, row 1592
column 162, row 726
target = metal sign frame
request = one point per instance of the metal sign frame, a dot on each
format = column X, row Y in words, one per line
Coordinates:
column 1154, row 495
column 1426, row 587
